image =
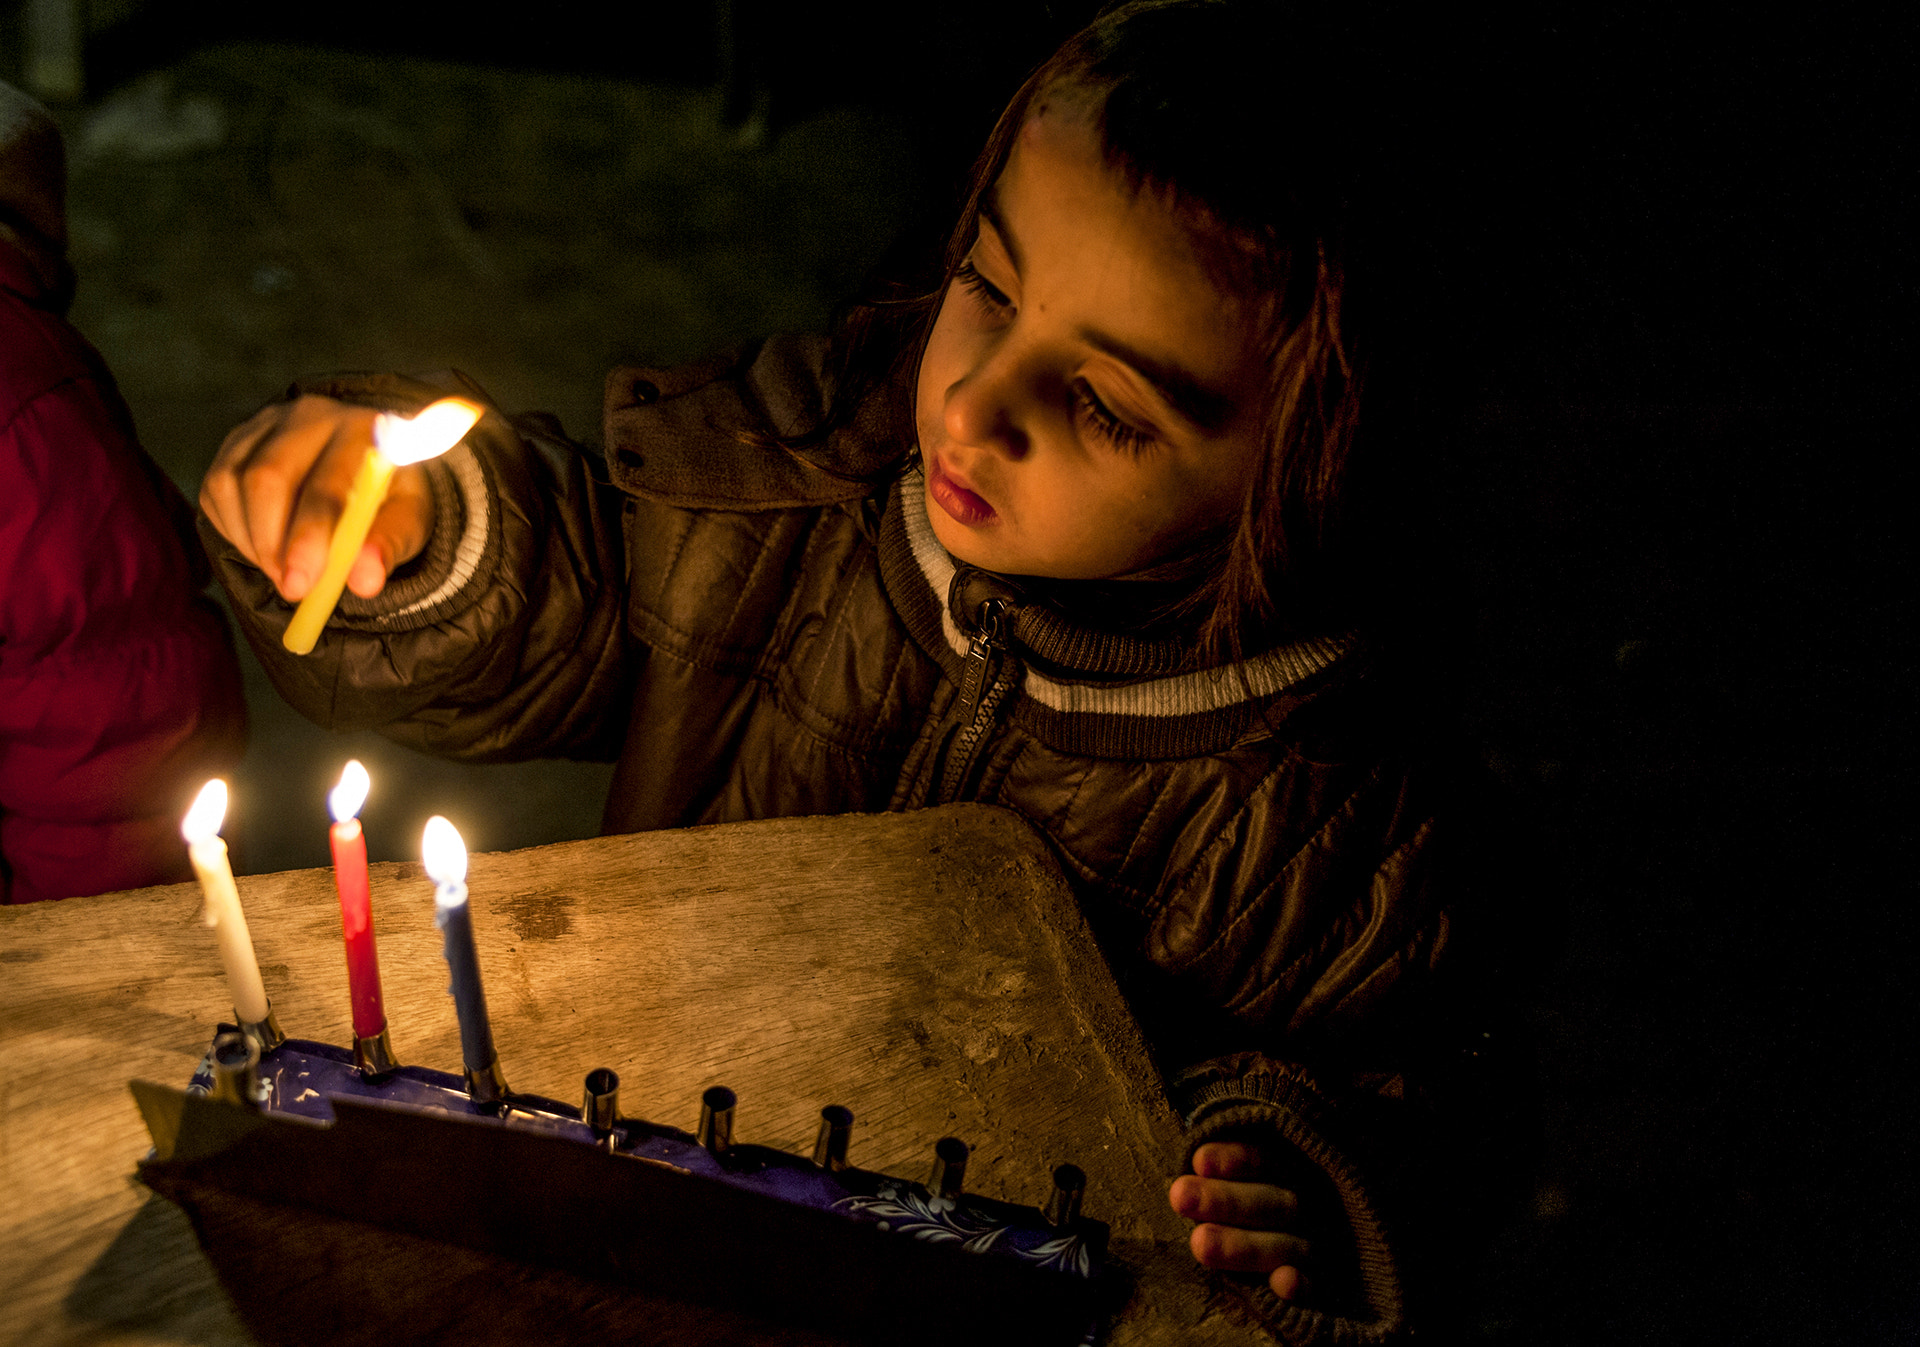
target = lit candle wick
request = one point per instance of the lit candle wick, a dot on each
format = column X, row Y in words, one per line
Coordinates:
column 397, row 442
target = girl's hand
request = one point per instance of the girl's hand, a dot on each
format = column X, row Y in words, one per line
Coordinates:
column 1243, row 1220
column 279, row 484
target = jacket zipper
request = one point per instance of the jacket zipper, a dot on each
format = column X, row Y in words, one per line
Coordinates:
column 982, row 690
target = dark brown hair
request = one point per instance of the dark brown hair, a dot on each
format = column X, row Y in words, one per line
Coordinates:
column 1251, row 122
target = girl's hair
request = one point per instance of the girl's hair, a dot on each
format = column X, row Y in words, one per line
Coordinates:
column 1252, row 123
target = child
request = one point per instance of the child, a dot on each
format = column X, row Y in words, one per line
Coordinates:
column 1079, row 535
column 119, row 689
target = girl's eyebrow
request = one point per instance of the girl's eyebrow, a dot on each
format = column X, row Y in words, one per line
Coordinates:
column 1206, row 409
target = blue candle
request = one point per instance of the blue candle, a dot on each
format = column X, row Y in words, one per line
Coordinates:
column 446, row 858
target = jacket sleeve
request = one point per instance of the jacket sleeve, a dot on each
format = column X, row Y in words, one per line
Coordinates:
column 1279, row 1106
column 119, row 688
column 1389, row 1086
column 1401, row 1181
column 507, row 638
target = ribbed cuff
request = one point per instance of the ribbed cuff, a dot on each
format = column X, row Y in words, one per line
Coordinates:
column 430, row 588
column 1251, row 1096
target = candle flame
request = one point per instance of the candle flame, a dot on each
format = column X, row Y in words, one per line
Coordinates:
column 444, row 852
column 345, row 799
column 202, row 823
column 428, row 434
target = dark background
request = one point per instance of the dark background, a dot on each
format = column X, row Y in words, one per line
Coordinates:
column 1672, row 494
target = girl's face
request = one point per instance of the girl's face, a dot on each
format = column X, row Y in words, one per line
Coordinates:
column 1088, row 400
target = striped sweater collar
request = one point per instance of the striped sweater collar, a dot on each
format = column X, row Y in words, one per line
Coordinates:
column 1087, row 691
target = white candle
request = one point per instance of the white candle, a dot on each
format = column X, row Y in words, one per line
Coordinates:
column 208, row 852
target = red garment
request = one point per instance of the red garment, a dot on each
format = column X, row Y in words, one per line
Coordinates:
column 119, row 690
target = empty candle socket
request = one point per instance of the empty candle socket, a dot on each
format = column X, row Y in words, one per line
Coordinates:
column 716, row 1121
column 601, row 1107
column 949, row 1172
column 836, row 1130
column 235, row 1062
column 1063, row 1205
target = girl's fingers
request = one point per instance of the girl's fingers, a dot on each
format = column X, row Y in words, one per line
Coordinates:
column 405, row 523
column 1229, row 1160
column 280, row 482
column 399, row 534
column 1288, row 1282
column 1241, row 1222
column 1228, row 1249
column 220, row 490
column 270, row 476
column 310, row 466
column 368, row 574
column 1254, row 1206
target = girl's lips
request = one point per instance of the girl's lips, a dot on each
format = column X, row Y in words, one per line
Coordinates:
column 966, row 507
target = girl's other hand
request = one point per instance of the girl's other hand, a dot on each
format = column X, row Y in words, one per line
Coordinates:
column 1243, row 1221
column 280, row 481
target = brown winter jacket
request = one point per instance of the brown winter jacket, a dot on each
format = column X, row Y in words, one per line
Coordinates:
column 752, row 632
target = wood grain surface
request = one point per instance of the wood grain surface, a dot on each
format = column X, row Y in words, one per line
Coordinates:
column 931, row 971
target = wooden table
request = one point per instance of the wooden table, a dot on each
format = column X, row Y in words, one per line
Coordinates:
column 929, row 970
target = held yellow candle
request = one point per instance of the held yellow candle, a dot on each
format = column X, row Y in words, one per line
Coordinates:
column 397, row 441
column 208, row 852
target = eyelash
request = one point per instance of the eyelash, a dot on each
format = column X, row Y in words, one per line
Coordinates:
column 1106, row 425
column 981, row 288
column 1117, row 433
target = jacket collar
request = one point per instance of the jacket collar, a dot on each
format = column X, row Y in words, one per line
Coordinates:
column 1081, row 689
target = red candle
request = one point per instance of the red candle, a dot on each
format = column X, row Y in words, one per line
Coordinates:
column 356, row 907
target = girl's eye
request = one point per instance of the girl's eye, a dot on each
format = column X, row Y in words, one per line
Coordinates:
column 1105, row 424
column 982, row 289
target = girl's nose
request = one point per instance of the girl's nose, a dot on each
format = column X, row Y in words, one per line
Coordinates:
column 984, row 409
